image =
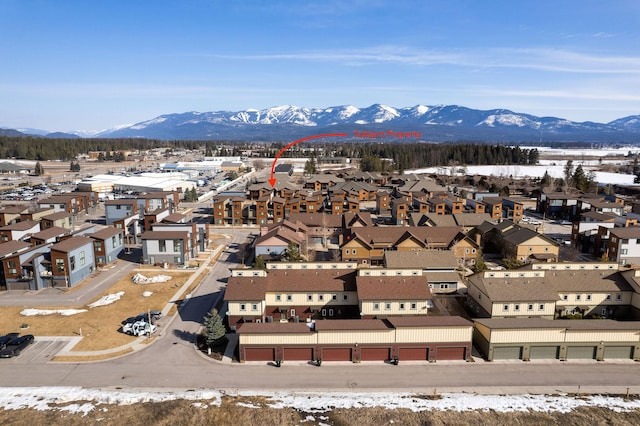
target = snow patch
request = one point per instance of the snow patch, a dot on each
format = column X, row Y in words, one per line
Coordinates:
column 63, row 312
column 107, row 300
column 141, row 279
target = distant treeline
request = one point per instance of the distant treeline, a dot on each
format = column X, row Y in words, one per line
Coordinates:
column 374, row 156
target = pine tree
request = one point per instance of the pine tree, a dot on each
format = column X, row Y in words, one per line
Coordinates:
column 292, row 253
column 259, row 263
column 214, row 329
column 39, row 170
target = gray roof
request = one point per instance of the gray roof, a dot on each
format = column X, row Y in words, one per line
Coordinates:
column 424, row 259
column 530, row 323
column 547, row 287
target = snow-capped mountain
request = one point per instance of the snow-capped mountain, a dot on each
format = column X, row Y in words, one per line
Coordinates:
column 433, row 122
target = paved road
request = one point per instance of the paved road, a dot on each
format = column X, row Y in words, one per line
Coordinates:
column 172, row 362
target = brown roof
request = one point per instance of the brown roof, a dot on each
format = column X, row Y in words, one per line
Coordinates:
column 50, row 232
column 351, row 324
column 71, row 244
column 57, row 216
column 274, row 327
column 131, row 201
column 628, row 232
column 20, row 226
column 13, row 209
column 393, row 288
column 165, row 235
column 174, row 217
column 317, row 219
column 295, row 280
column 428, row 321
column 105, row 233
column 381, row 236
column 11, row 247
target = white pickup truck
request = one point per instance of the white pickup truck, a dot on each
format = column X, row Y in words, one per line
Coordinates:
column 139, row 328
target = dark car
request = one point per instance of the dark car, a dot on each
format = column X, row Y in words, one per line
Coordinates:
column 155, row 316
column 16, row 345
column 4, row 340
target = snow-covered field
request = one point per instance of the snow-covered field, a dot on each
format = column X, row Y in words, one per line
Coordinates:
column 82, row 400
column 520, row 172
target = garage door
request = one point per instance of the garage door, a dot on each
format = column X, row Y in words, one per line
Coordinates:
column 507, row 352
column 581, row 352
column 544, row 352
column 259, row 354
column 618, row 352
column 298, row 354
column 336, row 354
column 414, row 354
column 374, row 354
column 451, row 353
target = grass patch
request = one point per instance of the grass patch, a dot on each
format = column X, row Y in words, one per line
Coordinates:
column 100, row 326
column 71, row 358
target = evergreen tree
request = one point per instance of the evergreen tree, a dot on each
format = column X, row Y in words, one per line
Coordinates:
column 259, row 263
column 38, row 170
column 291, row 253
column 214, row 329
column 480, row 263
column 546, row 179
column 310, row 166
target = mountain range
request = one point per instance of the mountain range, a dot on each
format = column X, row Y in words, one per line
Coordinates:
column 437, row 123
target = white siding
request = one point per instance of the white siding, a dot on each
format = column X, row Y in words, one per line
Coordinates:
column 435, row 335
column 368, row 307
column 356, row 336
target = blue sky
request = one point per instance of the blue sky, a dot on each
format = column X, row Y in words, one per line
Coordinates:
column 90, row 65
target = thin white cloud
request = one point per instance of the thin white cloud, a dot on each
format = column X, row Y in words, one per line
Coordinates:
column 541, row 59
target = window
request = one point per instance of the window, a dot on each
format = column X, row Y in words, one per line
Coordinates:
column 530, row 307
column 376, row 306
column 162, row 245
column 346, row 251
column 60, row 265
column 578, row 296
column 254, row 307
column 505, row 308
column 278, row 298
column 345, row 297
column 387, row 306
column 324, row 312
column 321, row 297
column 243, row 307
column 113, row 241
column 330, row 312
column 293, row 312
column 402, row 306
column 604, row 312
column 565, row 297
column 82, row 258
column 608, row 297
column 73, row 263
column 176, row 245
column 11, row 266
column 289, row 298
column 588, row 297
column 309, row 297
column 353, row 251
column 414, row 306
column 541, row 307
column 517, row 307
column 618, row 297
column 334, row 297
column 98, row 245
column 623, row 251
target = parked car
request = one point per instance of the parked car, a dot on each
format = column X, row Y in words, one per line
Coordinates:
column 4, row 340
column 139, row 328
column 154, row 316
column 16, row 345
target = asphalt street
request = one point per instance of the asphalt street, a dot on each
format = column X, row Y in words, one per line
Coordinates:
column 172, row 361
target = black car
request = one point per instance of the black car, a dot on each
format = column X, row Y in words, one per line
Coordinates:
column 16, row 345
column 155, row 316
column 4, row 340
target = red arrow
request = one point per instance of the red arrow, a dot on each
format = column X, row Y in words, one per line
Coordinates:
column 272, row 180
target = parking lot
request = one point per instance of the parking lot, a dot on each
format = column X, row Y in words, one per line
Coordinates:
column 42, row 350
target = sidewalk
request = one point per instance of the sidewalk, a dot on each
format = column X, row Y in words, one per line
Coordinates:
column 144, row 341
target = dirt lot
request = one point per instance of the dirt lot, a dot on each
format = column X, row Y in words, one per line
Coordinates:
column 100, row 326
column 239, row 411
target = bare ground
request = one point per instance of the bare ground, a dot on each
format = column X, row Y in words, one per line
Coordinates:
column 230, row 412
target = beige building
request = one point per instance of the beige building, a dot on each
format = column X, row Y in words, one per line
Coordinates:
column 395, row 338
column 536, row 338
column 552, row 290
